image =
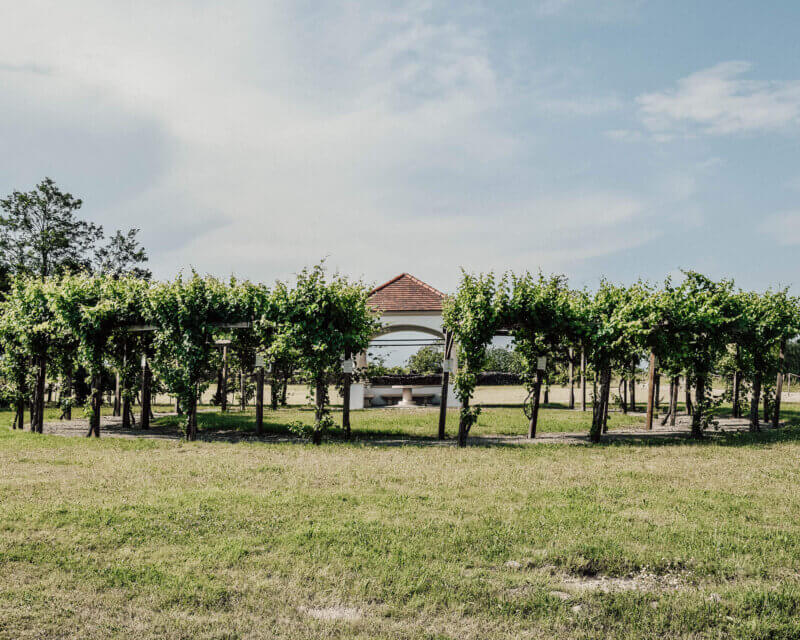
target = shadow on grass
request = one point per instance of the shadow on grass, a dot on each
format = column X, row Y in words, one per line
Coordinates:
column 237, row 427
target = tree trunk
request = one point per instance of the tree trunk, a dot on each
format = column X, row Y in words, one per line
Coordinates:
column 571, row 378
column 260, row 401
column 735, row 412
column 754, row 402
column 651, row 391
column 689, row 405
column 191, row 418
column 547, row 393
column 623, row 390
column 657, row 401
column 633, row 385
column 346, row 400
column 699, row 409
column 67, row 412
column 126, row 410
column 776, row 414
column 673, row 400
column 117, row 404
column 146, row 399
column 765, row 395
column 242, row 391
column 583, row 379
column 537, row 388
column 319, row 412
column 96, row 404
column 40, row 385
column 224, row 391
column 463, row 429
column 285, row 386
column 599, row 404
column 20, row 413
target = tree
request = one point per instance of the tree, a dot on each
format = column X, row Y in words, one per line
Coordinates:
column 40, row 235
column 700, row 318
column 538, row 312
column 503, row 360
column 766, row 322
column 123, row 256
column 322, row 320
column 187, row 314
column 471, row 316
column 428, row 360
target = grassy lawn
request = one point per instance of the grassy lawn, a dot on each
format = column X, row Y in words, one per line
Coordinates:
column 128, row 538
column 405, row 423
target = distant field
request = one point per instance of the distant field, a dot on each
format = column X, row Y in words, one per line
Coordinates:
column 134, row 538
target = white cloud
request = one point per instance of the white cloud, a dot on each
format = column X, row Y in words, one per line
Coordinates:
column 718, row 101
column 783, row 227
column 360, row 133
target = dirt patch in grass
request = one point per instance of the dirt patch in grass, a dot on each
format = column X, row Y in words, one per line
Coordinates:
column 336, row 613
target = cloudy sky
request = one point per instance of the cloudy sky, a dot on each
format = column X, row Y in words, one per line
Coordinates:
column 623, row 138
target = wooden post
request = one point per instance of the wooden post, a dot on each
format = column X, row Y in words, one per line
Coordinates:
column 632, row 383
column 735, row 408
column 583, row 379
column 537, row 388
column 97, row 403
column 776, row 416
column 651, row 390
column 260, row 400
column 242, row 390
column 116, row 410
column 224, row 393
column 448, row 350
column 146, row 400
column 571, row 378
column 347, row 378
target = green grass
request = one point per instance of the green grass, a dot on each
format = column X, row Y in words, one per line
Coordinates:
column 136, row 538
column 421, row 424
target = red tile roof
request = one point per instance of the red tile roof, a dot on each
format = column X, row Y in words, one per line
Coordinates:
column 405, row 293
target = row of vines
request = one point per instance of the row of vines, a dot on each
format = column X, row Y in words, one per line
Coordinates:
column 83, row 325
column 694, row 329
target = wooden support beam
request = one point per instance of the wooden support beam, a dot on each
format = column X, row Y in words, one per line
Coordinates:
column 260, row 400
column 448, row 350
column 776, row 416
column 583, row 379
column 651, row 390
column 147, row 377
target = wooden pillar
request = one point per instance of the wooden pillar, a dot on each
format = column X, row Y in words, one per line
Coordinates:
column 776, row 415
column 144, row 420
column 537, row 388
column 571, row 378
column 583, row 379
column 347, row 376
column 651, row 390
column 116, row 409
column 448, row 349
column 260, row 400
column 224, row 393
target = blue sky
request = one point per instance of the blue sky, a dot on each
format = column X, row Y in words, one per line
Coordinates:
column 617, row 138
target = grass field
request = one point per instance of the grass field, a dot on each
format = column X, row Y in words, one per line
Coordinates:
column 134, row 538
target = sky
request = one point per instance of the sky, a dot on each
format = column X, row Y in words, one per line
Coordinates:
column 622, row 139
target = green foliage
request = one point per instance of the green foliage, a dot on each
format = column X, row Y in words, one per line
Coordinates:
column 427, row 360
column 321, row 320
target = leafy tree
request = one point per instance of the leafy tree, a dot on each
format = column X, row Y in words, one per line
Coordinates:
column 40, row 234
column 427, row 360
column 322, row 320
column 503, row 360
column 472, row 316
column 123, row 256
column 766, row 322
column 700, row 318
column 538, row 312
column 187, row 314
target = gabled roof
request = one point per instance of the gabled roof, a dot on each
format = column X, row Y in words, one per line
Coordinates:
column 406, row 293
